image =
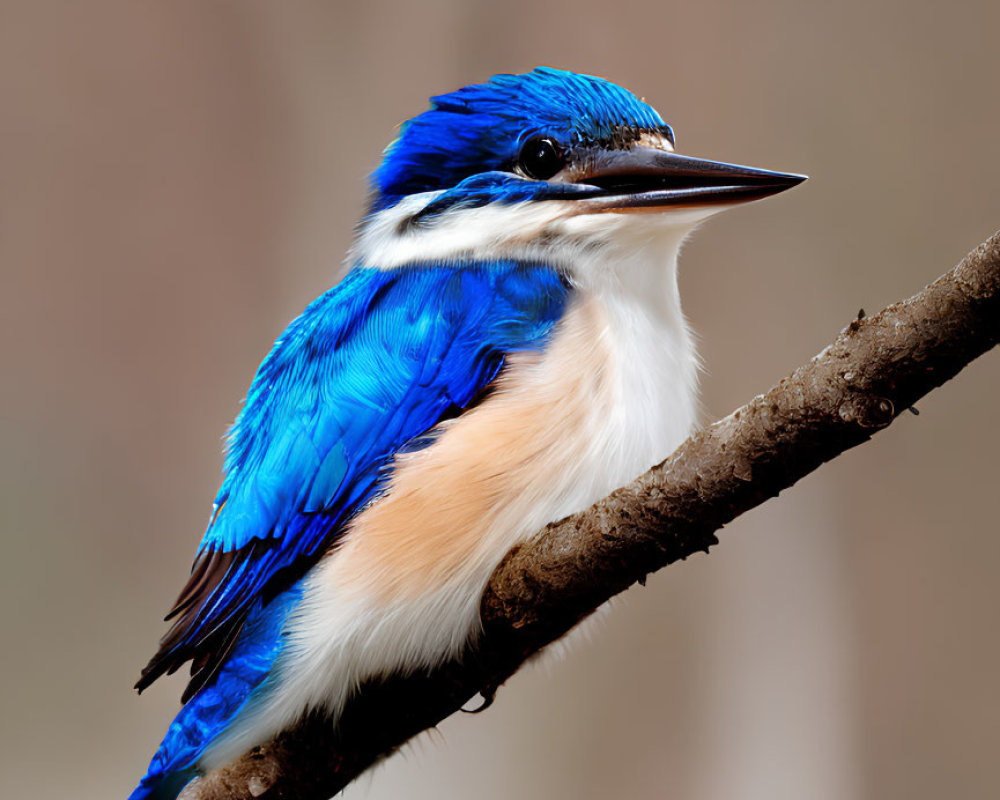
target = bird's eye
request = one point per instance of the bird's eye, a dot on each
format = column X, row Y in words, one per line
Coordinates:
column 540, row 158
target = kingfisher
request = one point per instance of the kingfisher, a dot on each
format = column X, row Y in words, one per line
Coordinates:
column 507, row 348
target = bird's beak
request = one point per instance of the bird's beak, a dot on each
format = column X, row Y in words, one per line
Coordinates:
column 648, row 178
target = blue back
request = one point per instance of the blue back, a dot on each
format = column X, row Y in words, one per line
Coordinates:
column 367, row 370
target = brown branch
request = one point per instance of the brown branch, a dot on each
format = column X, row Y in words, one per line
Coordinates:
column 877, row 368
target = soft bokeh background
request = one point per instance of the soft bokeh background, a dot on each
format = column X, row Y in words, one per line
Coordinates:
column 178, row 179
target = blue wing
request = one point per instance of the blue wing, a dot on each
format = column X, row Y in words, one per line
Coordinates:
column 366, row 371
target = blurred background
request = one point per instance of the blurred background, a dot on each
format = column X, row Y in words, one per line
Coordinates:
column 177, row 180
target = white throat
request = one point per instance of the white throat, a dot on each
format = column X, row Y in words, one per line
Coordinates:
column 624, row 262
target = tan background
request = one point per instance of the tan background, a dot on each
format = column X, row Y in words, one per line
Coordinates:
column 178, row 179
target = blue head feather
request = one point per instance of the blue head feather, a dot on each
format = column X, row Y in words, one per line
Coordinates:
column 481, row 128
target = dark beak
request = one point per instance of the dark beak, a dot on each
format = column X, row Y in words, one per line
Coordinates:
column 647, row 178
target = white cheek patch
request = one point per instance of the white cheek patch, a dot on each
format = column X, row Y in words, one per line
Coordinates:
column 497, row 230
column 550, row 231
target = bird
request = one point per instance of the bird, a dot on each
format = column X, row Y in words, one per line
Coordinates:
column 506, row 347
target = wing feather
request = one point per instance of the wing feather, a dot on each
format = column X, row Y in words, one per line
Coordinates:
column 368, row 370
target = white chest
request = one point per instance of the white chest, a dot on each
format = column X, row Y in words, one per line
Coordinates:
column 651, row 401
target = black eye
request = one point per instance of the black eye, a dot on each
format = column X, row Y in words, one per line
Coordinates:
column 540, row 158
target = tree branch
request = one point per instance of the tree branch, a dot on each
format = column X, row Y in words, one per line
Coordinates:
column 874, row 370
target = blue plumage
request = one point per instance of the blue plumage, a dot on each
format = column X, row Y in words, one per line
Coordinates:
column 214, row 707
column 416, row 334
column 366, row 371
column 481, row 128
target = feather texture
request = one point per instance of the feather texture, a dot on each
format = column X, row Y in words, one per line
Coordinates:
column 481, row 128
column 246, row 668
column 368, row 368
column 497, row 358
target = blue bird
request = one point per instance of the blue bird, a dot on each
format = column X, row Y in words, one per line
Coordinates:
column 507, row 348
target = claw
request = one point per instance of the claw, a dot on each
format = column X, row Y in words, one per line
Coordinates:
column 489, row 694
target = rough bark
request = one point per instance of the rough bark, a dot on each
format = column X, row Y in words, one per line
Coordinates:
column 876, row 369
